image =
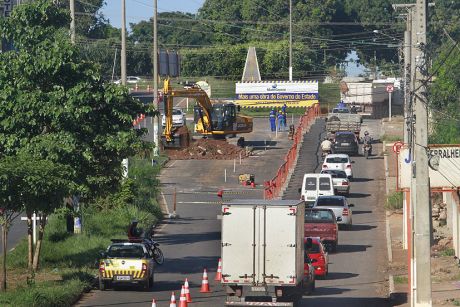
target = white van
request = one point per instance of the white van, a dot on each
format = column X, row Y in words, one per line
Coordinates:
column 314, row 185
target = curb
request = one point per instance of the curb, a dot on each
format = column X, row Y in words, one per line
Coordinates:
column 391, row 284
column 388, row 235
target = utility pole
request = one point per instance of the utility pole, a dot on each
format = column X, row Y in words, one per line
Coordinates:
column 156, row 122
column 72, row 22
column 123, row 42
column 290, row 40
column 407, row 75
column 422, row 242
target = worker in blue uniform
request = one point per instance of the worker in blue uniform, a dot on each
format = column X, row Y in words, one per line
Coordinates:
column 272, row 118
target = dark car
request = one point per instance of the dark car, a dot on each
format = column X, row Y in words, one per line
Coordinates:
column 345, row 142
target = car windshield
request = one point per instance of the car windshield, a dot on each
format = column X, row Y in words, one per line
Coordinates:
column 310, row 184
column 345, row 137
column 319, row 216
column 337, row 160
column 330, row 202
column 335, row 173
column 125, row 251
column 313, row 248
column 341, row 110
column 177, row 112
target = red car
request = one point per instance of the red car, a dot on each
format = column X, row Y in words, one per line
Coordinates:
column 316, row 251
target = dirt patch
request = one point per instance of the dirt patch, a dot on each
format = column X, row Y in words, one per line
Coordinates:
column 207, row 149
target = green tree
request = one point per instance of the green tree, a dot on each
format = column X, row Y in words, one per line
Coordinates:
column 55, row 106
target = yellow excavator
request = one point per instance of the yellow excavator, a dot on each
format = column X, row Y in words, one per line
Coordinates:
column 211, row 119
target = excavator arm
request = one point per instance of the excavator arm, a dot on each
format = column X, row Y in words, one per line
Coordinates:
column 198, row 94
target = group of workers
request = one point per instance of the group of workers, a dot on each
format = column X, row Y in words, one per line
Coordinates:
column 279, row 117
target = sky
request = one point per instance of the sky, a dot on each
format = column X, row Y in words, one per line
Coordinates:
column 137, row 10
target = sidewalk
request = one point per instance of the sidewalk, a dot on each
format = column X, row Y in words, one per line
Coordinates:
column 444, row 269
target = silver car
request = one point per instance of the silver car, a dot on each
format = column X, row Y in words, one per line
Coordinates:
column 339, row 180
column 340, row 206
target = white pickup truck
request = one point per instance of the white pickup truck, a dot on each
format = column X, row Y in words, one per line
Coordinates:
column 263, row 256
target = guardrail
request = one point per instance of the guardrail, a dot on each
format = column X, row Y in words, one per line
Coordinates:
column 272, row 188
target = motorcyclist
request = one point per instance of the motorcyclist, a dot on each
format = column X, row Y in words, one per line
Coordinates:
column 326, row 146
column 134, row 232
column 367, row 141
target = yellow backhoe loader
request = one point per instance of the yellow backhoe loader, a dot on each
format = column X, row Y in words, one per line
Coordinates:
column 211, row 119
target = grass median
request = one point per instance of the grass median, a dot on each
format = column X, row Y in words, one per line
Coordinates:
column 68, row 261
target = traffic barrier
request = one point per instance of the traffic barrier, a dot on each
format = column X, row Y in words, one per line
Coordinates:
column 205, row 283
column 154, row 304
column 219, row 271
column 172, row 303
column 183, row 299
column 187, row 291
column 272, row 188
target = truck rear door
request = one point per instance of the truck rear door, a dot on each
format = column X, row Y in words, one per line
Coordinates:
column 279, row 245
column 238, row 244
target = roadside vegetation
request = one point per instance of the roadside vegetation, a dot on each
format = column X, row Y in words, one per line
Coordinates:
column 68, row 261
column 64, row 135
column 394, row 201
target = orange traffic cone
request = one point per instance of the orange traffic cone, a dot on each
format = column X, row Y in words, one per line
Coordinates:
column 154, row 304
column 173, row 300
column 183, row 299
column 205, row 283
column 219, row 271
column 187, row 291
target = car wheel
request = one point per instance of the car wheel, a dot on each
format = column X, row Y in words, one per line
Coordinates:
column 313, row 286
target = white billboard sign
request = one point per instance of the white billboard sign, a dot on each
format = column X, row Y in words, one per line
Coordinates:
column 445, row 170
column 269, row 87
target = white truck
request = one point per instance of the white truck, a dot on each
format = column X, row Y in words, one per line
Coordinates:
column 263, row 257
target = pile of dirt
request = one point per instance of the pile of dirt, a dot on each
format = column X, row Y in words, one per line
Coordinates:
column 207, row 149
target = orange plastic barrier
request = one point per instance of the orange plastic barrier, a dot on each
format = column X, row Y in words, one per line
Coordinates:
column 273, row 186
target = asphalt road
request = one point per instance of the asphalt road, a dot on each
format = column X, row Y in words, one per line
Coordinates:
column 357, row 271
column 192, row 242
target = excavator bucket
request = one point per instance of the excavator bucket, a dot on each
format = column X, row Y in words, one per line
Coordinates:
column 179, row 139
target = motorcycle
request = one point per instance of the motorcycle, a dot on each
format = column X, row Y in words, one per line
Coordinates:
column 367, row 148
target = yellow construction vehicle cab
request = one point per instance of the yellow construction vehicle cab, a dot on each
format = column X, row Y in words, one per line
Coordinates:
column 212, row 119
column 126, row 263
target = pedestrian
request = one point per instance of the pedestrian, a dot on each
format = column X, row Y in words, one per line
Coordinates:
column 272, row 118
column 280, row 121
column 284, row 108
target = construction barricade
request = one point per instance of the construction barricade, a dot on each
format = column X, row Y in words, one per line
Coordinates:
column 272, row 188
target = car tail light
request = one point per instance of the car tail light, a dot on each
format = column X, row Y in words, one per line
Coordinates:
column 324, row 165
column 144, row 267
column 345, row 212
column 102, row 267
column 344, row 182
column 348, row 165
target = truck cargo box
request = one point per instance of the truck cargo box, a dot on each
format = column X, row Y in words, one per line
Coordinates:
column 263, row 244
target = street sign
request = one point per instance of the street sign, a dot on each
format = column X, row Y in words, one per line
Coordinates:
column 390, row 88
column 397, row 146
column 444, row 164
